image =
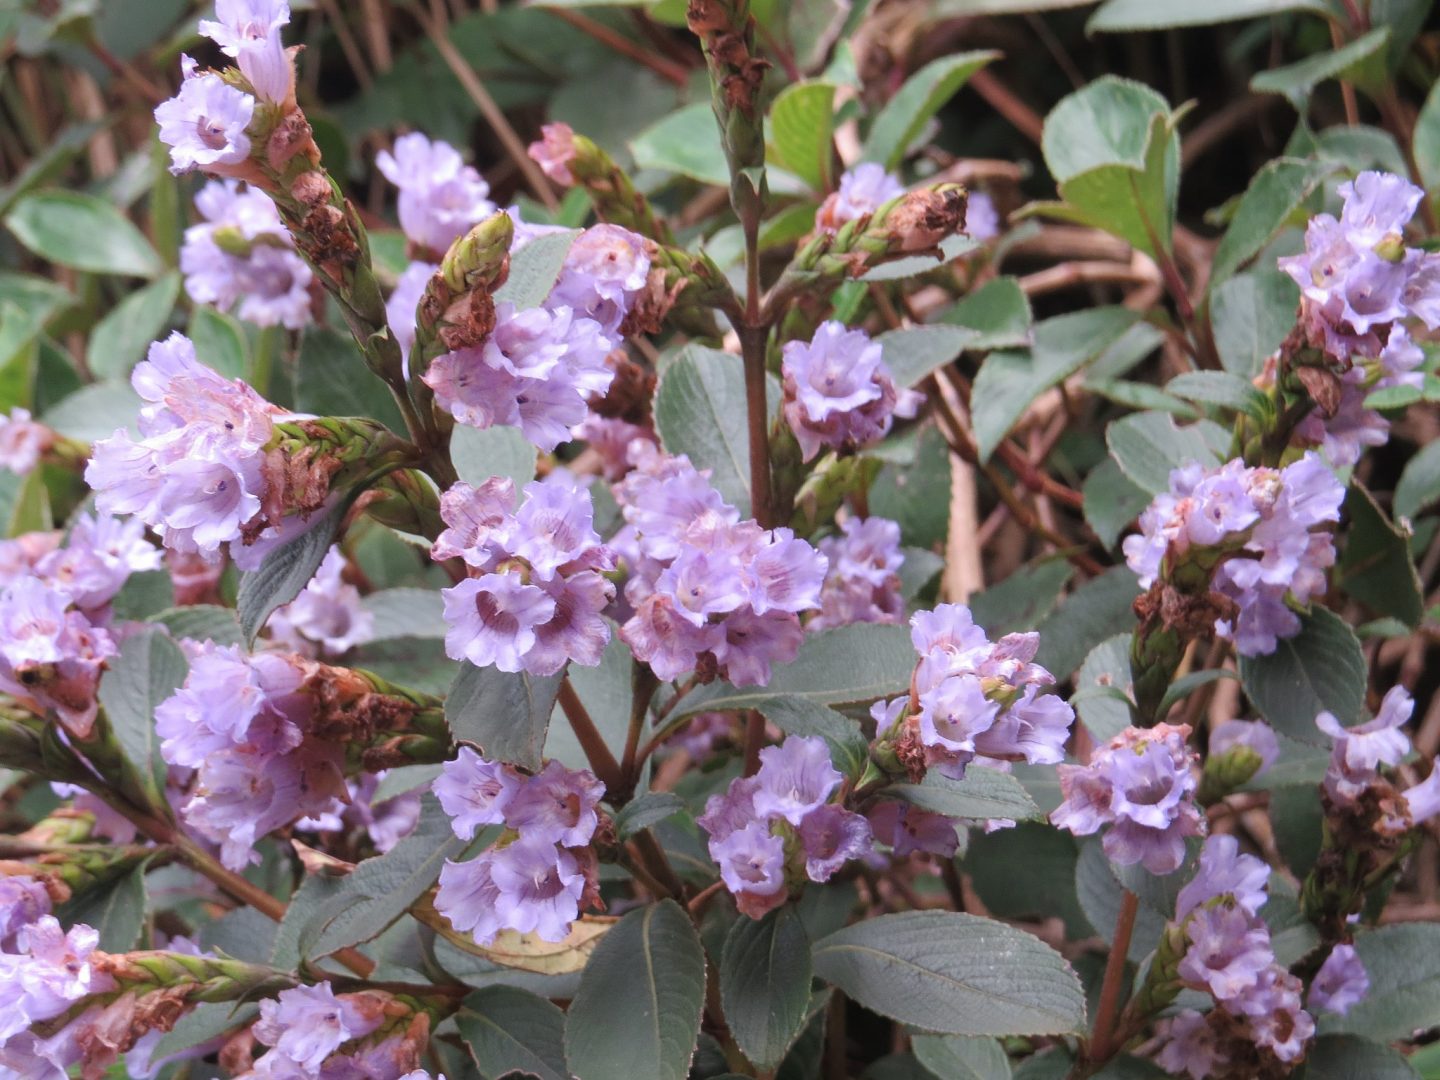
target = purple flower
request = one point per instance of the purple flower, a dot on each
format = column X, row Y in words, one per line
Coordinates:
column 1252, row 734
column 838, row 391
column 749, row 645
column 49, row 652
column 468, row 897
column 1277, row 1021
column 51, row 971
column 538, row 888
column 605, row 270
column 832, row 837
column 554, row 526
column 400, row 307
column 327, row 614
column 307, row 1024
column 908, row 829
column 204, row 124
column 1360, row 751
column 1341, row 983
column 577, row 632
column 862, row 191
column 663, row 496
column 22, row 441
column 441, row 197
column 1422, row 800
column 493, row 619
column 982, row 220
column 952, row 714
column 661, row 637
column 1224, row 871
column 557, row 806
column 1377, row 207
column 1035, row 727
column 795, row 778
column 751, row 861
column 249, row 30
column 1400, row 361
column 475, row 792
column 23, row 900
column 785, row 574
column 480, row 522
column 863, row 580
column 98, row 558
column 1191, row 1046
column 1228, row 950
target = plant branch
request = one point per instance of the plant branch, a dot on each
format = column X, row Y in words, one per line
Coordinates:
column 602, row 761
column 1102, row 1038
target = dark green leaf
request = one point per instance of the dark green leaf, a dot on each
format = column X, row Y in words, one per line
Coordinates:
column 1427, row 140
column 1350, row 1057
column 95, row 411
column 1276, row 193
column 920, row 98
column 953, row 974
column 637, row 1012
column 82, row 232
column 333, row 380
column 403, row 613
column 202, row 622
column 997, row 313
column 700, row 411
column 1102, row 689
column 685, row 142
column 116, row 909
column 285, row 571
column 505, row 713
column 1027, row 871
column 1250, row 315
column 1023, row 599
column 498, row 451
column 533, row 270
column 803, row 716
column 765, row 984
column 1321, row 669
column 514, row 1031
column 1096, row 610
column 1375, row 566
column 119, row 340
column 1100, row 891
column 148, row 670
column 1223, row 389
column 916, row 351
column 851, row 664
column 1112, row 501
column 984, row 795
column 1297, row 81
column 917, row 494
column 1147, row 446
column 645, row 810
column 961, row 1057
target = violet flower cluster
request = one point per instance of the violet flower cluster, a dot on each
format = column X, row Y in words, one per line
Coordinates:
column 197, row 475
column 385, row 823
column 539, row 366
column 860, row 192
column 56, row 624
column 771, row 831
column 327, row 618
column 315, row 1034
column 537, row 587
column 1139, row 788
column 241, row 723
column 441, row 198
column 839, row 392
column 1260, row 529
column 1258, row 1018
column 540, row 873
column 241, row 253
column 973, row 700
column 1353, row 782
column 23, row 441
column 1358, row 283
column 710, row 593
column 862, row 584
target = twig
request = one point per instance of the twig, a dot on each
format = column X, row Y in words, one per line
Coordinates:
column 663, row 66
column 1101, row 1047
column 754, row 739
column 602, row 761
column 1003, row 100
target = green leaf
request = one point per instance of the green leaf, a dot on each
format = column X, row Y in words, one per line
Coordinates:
column 220, row 342
column 497, row 451
column 1112, row 501
column 1118, row 15
column 1100, row 891
column 606, row 690
column 1419, row 487
column 1223, row 389
column 1427, row 140
column 119, row 340
column 998, row 313
column 951, row 248
column 1028, row 871
column 285, row 571
column 1250, row 315
column 1350, row 1057
column 912, row 106
column 765, row 984
column 637, row 1012
column 685, row 142
column 333, row 380
column 847, row 665
column 1102, row 689
column 402, row 613
column 381, row 889
column 984, row 795
column 1148, row 445
column 201, row 622
column 849, row 748
column 505, row 713
column 1297, row 81
column 1403, row 962
column 953, row 974
column 1186, row 685
column 1321, row 669
column 646, row 810
column 961, row 1057
column 116, row 909
column 1375, row 567
column 84, row 233
column 514, row 1031
column 144, row 595
column 534, row 269
column 148, row 670
column 95, row 411
column 801, row 122
column 914, row 352
column 1093, row 612
column 1009, row 382
column 916, row 491
column 1273, row 197
column 700, row 411
column 1021, row 600
column 1113, row 151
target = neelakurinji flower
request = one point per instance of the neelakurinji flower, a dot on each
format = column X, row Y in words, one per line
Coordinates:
column 204, row 125
column 328, row 616
column 862, row 584
column 441, row 197
column 249, row 31
column 861, row 191
column 23, row 441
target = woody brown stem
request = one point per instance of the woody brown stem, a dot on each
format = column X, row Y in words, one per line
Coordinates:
column 602, row 761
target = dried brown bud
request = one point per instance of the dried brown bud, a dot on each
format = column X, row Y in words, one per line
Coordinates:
column 292, row 136
column 631, row 390
column 311, row 189
column 926, row 217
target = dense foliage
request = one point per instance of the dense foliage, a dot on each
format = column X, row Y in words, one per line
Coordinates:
column 763, row 572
